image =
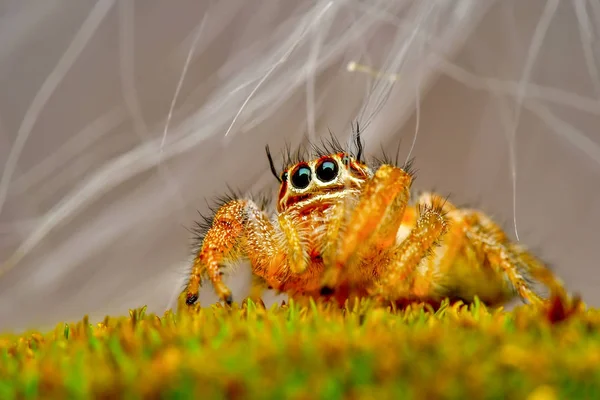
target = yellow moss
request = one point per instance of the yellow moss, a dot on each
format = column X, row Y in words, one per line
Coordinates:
column 317, row 351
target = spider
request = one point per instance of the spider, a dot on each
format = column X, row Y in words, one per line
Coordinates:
column 345, row 229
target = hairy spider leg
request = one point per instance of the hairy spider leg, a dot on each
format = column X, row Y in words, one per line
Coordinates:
column 297, row 257
column 539, row 271
column 240, row 229
column 524, row 262
column 477, row 259
column 335, row 229
column 397, row 277
column 492, row 243
column 378, row 211
column 515, row 266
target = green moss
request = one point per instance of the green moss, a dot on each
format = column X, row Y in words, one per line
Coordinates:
column 313, row 352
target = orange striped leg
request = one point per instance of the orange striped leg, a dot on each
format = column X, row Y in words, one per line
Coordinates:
column 297, row 257
column 240, row 229
column 397, row 280
column 386, row 191
column 510, row 262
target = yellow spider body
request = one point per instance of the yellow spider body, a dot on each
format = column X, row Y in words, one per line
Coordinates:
column 342, row 230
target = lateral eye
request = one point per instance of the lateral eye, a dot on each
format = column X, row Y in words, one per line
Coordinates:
column 284, row 176
column 327, row 170
column 301, row 177
column 346, row 160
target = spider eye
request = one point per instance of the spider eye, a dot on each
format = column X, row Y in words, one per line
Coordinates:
column 301, row 177
column 346, row 160
column 327, row 170
column 284, row 176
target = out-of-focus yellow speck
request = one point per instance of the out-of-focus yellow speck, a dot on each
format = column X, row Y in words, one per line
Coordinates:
column 513, row 355
column 543, row 392
column 167, row 362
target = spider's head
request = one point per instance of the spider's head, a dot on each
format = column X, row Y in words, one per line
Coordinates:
column 325, row 179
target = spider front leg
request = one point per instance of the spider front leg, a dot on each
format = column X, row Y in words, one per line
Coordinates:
column 240, row 229
column 374, row 220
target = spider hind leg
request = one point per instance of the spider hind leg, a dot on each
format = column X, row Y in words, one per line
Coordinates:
column 476, row 258
column 512, row 264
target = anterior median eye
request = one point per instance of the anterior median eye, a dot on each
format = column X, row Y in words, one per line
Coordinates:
column 301, row 177
column 327, row 170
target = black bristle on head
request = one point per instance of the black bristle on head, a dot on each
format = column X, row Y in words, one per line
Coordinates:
column 293, row 157
column 271, row 164
column 328, row 146
column 359, row 144
column 331, row 145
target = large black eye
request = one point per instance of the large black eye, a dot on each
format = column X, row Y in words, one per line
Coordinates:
column 301, row 177
column 327, row 170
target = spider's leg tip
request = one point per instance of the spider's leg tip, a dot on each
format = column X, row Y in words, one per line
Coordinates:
column 326, row 291
column 191, row 299
column 229, row 299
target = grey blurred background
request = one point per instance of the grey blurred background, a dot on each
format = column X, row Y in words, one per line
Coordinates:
column 119, row 119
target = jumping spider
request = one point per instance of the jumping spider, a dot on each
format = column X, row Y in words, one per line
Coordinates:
column 343, row 230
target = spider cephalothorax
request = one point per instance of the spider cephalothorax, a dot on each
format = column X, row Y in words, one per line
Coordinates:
column 342, row 229
column 324, row 180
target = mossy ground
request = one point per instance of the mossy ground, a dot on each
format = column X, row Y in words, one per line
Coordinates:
column 313, row 352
